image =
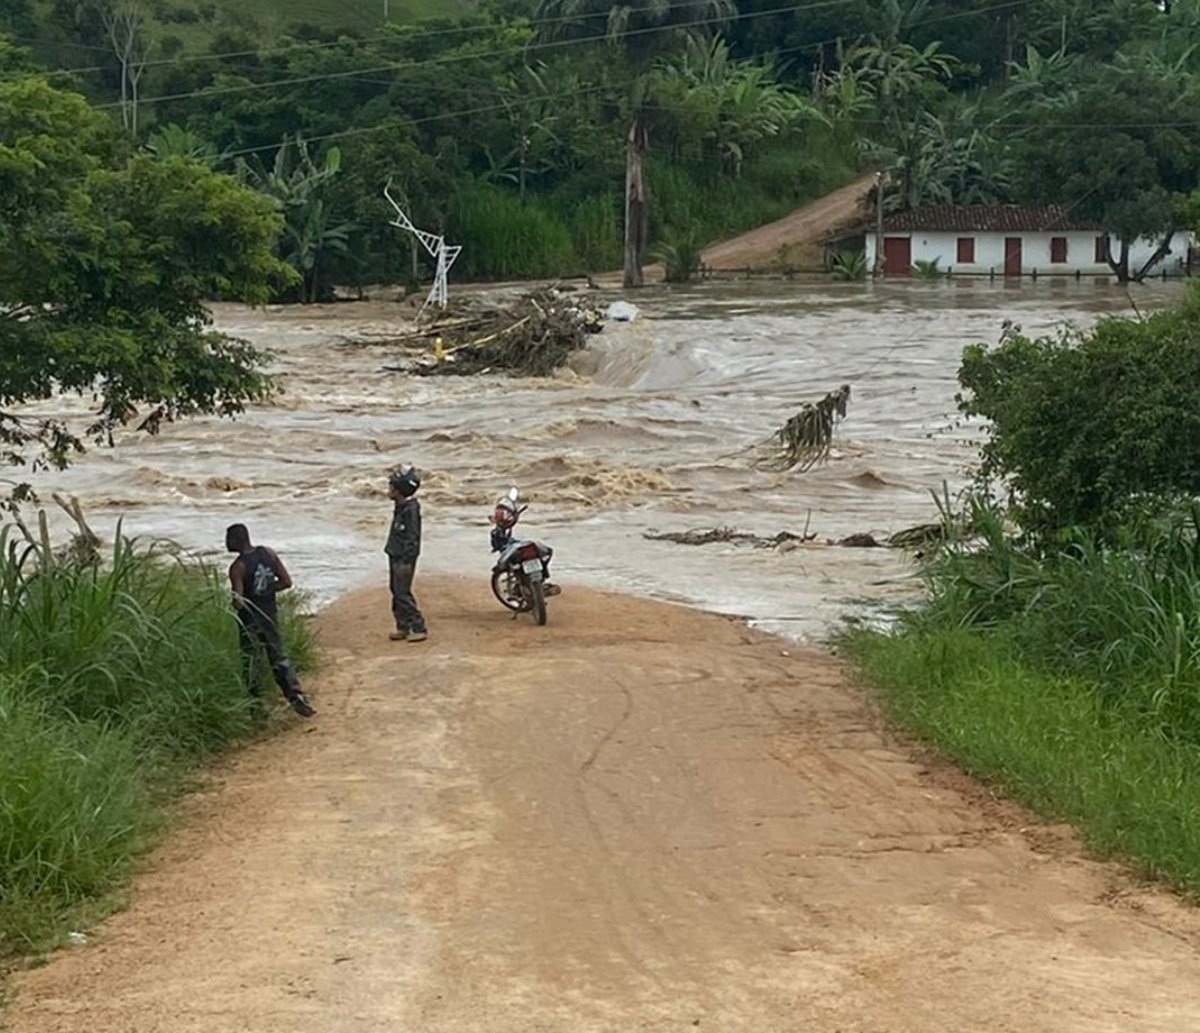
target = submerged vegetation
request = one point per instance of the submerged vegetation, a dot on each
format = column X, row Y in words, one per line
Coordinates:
column 119, row 675
column 1059, row 652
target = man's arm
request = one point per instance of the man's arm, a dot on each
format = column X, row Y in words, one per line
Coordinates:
column 237, row 582
column 281, row 574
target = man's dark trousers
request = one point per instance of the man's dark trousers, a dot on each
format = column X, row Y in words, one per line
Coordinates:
column 255, row 634
column 404, row 604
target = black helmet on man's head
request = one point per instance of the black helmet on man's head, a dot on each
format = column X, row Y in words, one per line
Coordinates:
column 406, row 481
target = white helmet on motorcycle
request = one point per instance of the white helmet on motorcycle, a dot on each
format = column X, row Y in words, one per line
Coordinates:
column 505, row 514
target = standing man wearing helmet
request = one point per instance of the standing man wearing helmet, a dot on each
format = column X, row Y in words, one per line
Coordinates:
column 403, row 549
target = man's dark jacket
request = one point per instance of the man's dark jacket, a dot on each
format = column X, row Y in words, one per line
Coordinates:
column 404, row 538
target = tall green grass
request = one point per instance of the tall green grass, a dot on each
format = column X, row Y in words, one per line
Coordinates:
column 118, row 678
column 74, row 811
column 595, row 225
column 1070, row 676
column 506, row 238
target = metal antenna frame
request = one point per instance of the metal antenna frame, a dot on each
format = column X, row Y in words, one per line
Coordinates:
column 435, row 244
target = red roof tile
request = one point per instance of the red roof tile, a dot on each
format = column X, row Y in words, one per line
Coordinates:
column 985, row 218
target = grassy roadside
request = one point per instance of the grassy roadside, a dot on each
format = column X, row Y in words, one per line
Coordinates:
column 1070, row 682
column 118, row 680
column 1046, row 741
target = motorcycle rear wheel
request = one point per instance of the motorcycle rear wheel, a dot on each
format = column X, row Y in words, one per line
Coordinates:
column 500, row 582
column 537, row 595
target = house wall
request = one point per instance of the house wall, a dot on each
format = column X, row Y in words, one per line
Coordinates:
column 928, row 245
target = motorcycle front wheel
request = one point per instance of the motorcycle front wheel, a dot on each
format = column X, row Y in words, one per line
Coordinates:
column 502, row 584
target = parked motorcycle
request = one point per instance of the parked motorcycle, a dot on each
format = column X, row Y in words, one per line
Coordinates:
column 521, row 576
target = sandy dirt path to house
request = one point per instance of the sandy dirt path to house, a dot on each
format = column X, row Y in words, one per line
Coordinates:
column 797, row 239
column 639, row 818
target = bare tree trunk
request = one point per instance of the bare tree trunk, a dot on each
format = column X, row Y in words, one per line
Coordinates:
column 1160, row 252
column 135, row 77
column 637, row 208
column 523, row 148
column 124, row 92
column 123, row 20
column 1121, row 265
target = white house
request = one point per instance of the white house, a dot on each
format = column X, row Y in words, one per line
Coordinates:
column 1009, row 240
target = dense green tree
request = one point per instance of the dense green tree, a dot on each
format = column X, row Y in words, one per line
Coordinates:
column 1084, row 429
column 1118, row 145
column 422, row 181
column 18, row 18
column 898, row 86
column 734, row 105
column 1087, row 28
column 106, row 262
column 173, row 141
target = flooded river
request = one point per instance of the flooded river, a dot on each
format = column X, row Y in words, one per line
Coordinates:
column 641, row 436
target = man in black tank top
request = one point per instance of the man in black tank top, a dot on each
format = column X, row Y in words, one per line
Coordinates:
column 255, row 577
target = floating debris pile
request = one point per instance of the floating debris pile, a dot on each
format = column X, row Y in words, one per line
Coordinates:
column 533, row 335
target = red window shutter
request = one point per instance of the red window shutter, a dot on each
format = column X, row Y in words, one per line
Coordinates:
column 1102, row 249
column 1058, row 249
column 966, row 251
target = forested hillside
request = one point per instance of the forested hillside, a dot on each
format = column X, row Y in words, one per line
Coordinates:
column 517, row 126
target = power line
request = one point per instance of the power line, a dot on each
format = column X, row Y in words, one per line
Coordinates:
column 545, row 45
column 404, row 36
column 401, row 121
column 392, row 125
column 358, row 73
column 504, row 52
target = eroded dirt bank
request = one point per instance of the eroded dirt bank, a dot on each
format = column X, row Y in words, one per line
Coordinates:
column 638, row 818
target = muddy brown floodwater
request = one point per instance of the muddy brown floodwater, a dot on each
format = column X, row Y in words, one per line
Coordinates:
column 639, row 439
column 640, row 817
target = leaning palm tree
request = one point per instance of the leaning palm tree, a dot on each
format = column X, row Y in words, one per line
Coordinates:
column 642, row 31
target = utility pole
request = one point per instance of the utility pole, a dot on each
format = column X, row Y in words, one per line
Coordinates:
column 878, row 270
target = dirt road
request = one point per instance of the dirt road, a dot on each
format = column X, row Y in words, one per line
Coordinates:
column 796, row 240
column 638, row 818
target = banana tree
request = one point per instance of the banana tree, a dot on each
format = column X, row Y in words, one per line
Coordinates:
column 298, row 184
column 532, row 107
column 743, row 101
column 173, row 141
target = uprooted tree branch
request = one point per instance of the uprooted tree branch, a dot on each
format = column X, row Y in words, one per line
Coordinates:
column 533, row 335
column 804, row 440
